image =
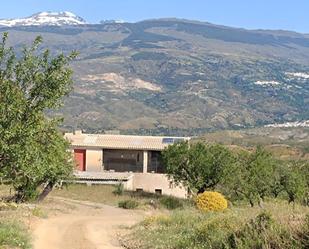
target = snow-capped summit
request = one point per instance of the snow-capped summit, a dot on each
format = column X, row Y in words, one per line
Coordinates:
column 45, row 19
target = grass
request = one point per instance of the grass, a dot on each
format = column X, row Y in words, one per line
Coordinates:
column 5, row 191
column 95, row 193
column 13, row 235
column 106, row 194
column 277, row 225
column 39, row 212
column 128, row 204
column 171, row 203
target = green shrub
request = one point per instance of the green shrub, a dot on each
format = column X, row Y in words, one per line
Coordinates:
column 13, row 235
column 170, row 202
column 128, row 204
column 118, row 189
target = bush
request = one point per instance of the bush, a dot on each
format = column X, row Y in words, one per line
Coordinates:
column 128, row 204
column 13, row 235
column 263, row 232
column 118, row 189
column 211, row 201
column 170, row 202
column 228, row 230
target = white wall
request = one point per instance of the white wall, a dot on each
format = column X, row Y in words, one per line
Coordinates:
column 151, row 181
column 94, row 160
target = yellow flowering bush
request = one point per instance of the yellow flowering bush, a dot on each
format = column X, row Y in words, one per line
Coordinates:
column 211, row 201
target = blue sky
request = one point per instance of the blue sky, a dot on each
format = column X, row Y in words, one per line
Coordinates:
column 252, row 14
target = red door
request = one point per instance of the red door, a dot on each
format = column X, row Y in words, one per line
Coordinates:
column 80, row 159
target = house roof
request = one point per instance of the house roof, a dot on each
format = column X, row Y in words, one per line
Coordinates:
column 108, row 141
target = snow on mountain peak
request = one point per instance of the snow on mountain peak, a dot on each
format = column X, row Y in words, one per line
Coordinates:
column 45, row 18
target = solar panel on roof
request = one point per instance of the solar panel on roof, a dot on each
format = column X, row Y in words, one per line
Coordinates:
column 171, row 140
column 167, row 140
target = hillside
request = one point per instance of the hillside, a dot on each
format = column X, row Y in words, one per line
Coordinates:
column 284, row 143
column 177, row 76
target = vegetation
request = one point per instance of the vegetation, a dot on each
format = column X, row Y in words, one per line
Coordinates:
column 39, row 212
column 228, row 72
column 33, row 152
column 277, row 226
column 171, row 202
column 240, row 174
column 118, row 189
column 198, row 166
column 211, row 201
column 128, row 204
column 13, row 235
column 252, row 175
column 105, row 194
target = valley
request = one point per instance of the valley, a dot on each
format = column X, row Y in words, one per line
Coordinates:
column 177, row 77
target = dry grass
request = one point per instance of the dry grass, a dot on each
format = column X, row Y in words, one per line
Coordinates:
column 5, row 191
column 95, row 193
column 189, row 228
column 104, row 194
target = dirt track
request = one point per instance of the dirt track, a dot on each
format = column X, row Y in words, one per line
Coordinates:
column 88, row 226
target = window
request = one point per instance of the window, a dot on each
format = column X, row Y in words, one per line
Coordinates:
column 158, row 191
column 137, row 157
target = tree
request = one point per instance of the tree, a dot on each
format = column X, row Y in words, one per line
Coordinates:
column 276, row 185
column 252, row 175
column 33, row 152
column 294, row 181
column 197, row 166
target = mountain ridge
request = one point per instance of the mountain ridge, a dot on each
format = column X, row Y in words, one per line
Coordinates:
column 175, row 77
column 121, row 21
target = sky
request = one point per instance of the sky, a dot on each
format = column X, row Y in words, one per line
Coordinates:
column 251, row 14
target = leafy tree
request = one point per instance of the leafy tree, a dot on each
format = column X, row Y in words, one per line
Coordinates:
column 294, row 182
column 276, row 185
column 33, row 152
column 198, row 166
column 251, row 175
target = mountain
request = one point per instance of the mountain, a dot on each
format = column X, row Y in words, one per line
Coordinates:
column 45, row 19
column 178, row 77
column 111, row 21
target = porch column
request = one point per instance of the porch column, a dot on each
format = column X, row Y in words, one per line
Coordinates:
column 102, row 162
column 145, row 161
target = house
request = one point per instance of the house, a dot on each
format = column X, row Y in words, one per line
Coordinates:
column 133, row 161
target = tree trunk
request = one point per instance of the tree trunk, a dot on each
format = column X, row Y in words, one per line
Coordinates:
column 48, row 188
column 201, row 190
column 260, row 203
column 19, row 196
column 251, row 203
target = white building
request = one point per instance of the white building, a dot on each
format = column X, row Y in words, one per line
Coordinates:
column 131, row 160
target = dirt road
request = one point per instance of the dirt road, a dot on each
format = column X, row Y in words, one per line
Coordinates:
column 88, row 226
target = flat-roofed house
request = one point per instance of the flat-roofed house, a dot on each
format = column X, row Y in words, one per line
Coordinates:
column 132, row 160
